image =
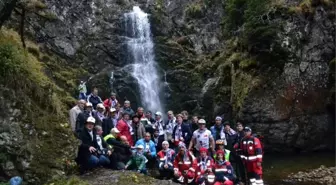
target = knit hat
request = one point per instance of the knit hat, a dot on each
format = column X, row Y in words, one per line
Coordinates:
column 181, row 145
column 165, row 143
column 220, row 152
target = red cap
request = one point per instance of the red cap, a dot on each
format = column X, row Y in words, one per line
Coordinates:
column 220, row 152
column 203, row 150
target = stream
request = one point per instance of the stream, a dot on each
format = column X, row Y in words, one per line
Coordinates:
column 276, row 167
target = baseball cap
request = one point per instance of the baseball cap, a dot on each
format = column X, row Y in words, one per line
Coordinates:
column 113, row 110
column 158, row 114
column 247, row 129
column 100, row 105
column 139, row 147
column 115, row 130
column 91, row 120
column 201, row 121
column 88, row 104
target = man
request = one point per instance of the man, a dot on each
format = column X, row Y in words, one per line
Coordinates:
column 165, row 161
column 109, row 122
column 121, row 150
column 140, row 112
column 88, row 155
column 149, row 117
column 118, row 114
column 185, row 116
column 103, row 148
column 240, row 131
column 217, row 130
column 125, row 129
column 170, row 124
column 99, row 114
column 181, row 131
column 251, row 155
column 185, row 165
column 138, row 128
column 155, row 139
column 194, row 123
column 94, row 98
column 161, row 127
column 202, row 138
column 149, row 150
column 82, row 90
column 127, row 108
column 230, row 135
column 82, row 117
column 137, row 161
column 74, row 112
column 111, row 102
column 205, row 163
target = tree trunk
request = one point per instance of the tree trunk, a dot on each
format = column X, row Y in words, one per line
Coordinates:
column 6, row 8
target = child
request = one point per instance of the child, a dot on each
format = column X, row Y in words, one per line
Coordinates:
column 137, row 161
column 223, row 170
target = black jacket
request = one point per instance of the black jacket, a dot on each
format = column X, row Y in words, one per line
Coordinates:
column 86, row 142
column 107, row 125
column 81, row 119
column 186, row 133
column 121, row 151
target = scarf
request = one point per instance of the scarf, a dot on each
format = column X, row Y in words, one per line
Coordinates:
column 231, row 132
column 178, row 133
column 100, row 116
column 204, row 163
column 220, row 162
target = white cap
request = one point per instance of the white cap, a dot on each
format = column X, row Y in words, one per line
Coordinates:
column 113, row 110
column 139, row 147
column 88, row 104
column 100, row 105
column 127, row 102
column 91, row 120
column 158, row 113
column 202, row 121
column 115, row 130
column 165, row 143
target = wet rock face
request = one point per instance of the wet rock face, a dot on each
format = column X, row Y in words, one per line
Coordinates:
column 291, row 110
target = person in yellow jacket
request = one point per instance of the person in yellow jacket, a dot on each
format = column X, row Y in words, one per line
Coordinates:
column 220, row 146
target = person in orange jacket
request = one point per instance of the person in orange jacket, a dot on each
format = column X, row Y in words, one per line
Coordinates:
column 184, row 165
column 251, row 155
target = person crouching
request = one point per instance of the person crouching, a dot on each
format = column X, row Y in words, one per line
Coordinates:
column 204, row 168
column 223, row 170
column 165, row 161
column 184, row 165
column 137, row 161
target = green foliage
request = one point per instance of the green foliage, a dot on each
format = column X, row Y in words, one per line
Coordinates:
column 4, row 183
column 194, row 10
column 253, row 24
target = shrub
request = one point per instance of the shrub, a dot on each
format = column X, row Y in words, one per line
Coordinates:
column 194, row 11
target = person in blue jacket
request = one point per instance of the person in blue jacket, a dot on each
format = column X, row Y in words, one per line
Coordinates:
column 149, row 148
column 94, row 98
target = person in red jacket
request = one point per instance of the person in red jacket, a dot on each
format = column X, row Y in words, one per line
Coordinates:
column 204, row 168
column 251, row 155
column 165, row 161
column 223, row 170
column 111, row 102
column 125, row 129
column 184, row 165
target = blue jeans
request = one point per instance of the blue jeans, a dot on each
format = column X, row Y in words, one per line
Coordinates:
column 94, row 161
column 82, row 96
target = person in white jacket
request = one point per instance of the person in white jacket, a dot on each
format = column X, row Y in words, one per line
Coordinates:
column 74, row 112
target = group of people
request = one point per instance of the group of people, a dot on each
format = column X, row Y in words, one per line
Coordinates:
column 181, row 149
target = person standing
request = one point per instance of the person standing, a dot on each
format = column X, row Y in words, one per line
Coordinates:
column 194, row 123
column 140, row 112
column 170, row 124
column 111, row 102
column 240, row 131
column 230, row 136
column 82, row 90
column 149, row 117
column 94, row 98
column 99, row 114
column 127, row 108
column 125, row 129
column 82, row 117
column 181, row 132
column 202, row 138
column 74, row 112
column 185, row 116
column 251, row 155
column 217, row 130
column 138, row 128
column 161, row 127
column 109, row 122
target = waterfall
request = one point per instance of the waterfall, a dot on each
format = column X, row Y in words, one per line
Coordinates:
column 140, row 55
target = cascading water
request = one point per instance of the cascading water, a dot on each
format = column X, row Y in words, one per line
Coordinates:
column 141, row 56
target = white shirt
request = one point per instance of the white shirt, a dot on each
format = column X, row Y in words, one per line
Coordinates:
column 202, row 138
column 99, row 141
column 91, row 134
column 159, row 125
column 171, row 125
